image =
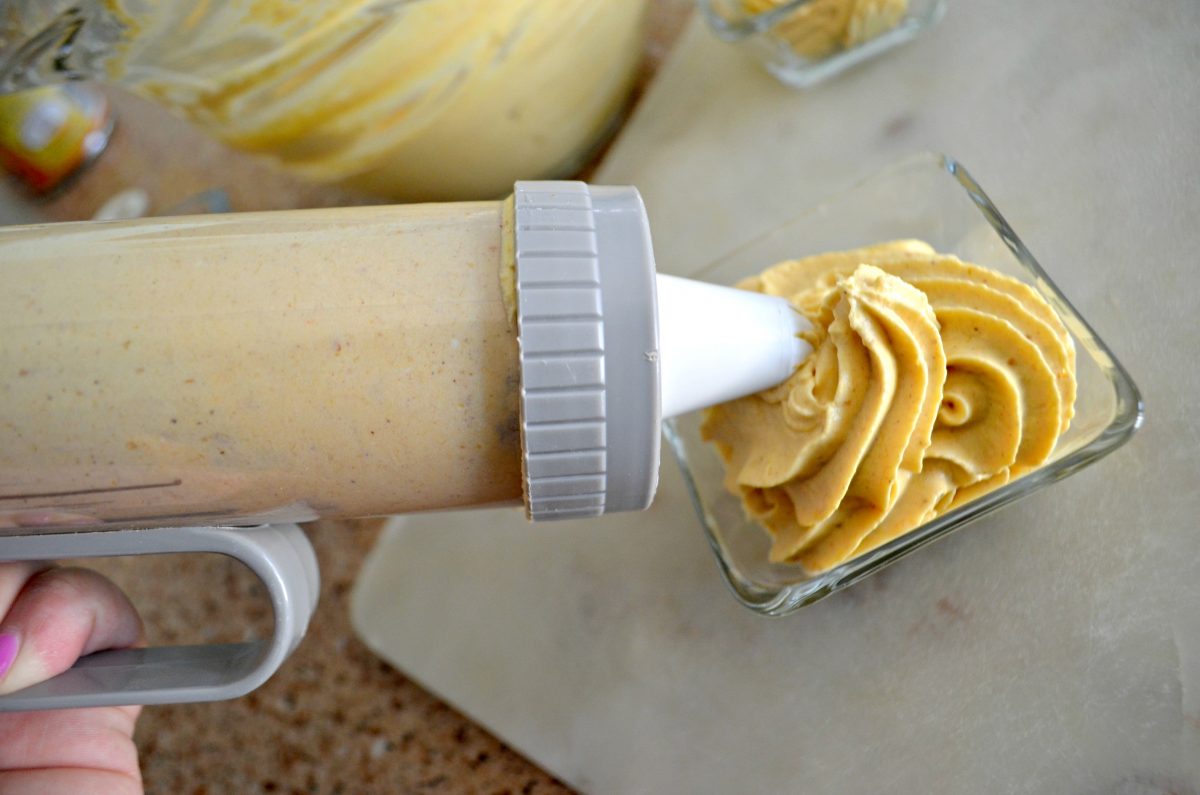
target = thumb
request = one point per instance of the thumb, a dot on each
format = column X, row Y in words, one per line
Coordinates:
column 56, row 617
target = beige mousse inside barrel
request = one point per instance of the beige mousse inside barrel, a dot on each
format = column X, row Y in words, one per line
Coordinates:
column 346, row 362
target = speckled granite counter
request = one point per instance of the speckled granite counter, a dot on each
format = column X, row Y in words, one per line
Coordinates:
column 335, row 718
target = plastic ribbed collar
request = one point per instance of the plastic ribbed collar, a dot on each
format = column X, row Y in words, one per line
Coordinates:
column 588, row 337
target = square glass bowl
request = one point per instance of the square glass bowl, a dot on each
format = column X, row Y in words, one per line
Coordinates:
column 931, row 198
column 765, row 35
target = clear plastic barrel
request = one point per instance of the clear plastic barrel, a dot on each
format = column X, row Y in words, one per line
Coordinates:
column 256, row 367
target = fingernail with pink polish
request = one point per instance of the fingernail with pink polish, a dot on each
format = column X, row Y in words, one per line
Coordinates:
column 8, row 652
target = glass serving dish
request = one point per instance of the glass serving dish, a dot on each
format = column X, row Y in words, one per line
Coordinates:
column 932, row 198
column 772, row 38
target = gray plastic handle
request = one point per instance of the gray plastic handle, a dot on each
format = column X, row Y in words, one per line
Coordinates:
column 280, row 555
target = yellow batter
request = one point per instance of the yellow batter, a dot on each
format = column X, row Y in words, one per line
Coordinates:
column 428, row 100
column 931, row 381
column 822, row 27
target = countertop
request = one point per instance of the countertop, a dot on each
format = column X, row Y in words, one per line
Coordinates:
column 1052, row 647
column 335, row 718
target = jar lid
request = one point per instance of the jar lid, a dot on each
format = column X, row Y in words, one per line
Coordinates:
column 589, row 352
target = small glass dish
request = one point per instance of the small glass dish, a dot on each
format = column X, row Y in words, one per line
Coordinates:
column 769, row 37
column 931, row 198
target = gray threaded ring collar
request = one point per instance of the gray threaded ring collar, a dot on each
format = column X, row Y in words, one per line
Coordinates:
column 588, row 339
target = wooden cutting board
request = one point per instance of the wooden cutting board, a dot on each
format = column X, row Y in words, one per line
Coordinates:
column 1054, row 647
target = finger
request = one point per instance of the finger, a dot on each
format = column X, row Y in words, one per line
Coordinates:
column 13, row 577
column 44, row 751
column 60, row 615
column 53, row 781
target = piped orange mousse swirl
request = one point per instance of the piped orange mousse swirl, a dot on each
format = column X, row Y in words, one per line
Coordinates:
column 931, row 381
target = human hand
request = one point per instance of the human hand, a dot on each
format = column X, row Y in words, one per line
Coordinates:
column 49, row 617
